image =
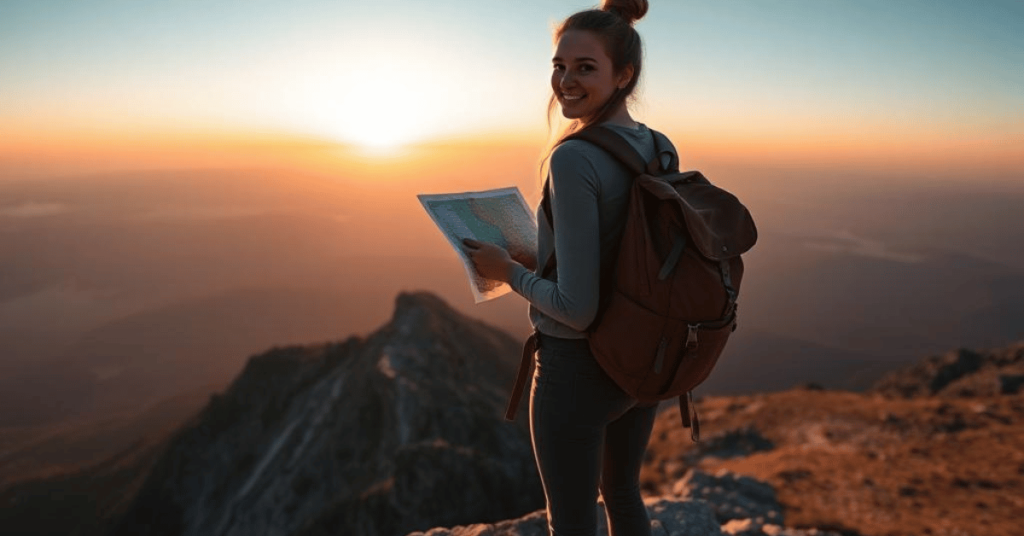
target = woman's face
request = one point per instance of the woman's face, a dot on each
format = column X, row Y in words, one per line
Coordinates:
column 582, row 76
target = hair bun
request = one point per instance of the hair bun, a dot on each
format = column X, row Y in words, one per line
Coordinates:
column 630, row 10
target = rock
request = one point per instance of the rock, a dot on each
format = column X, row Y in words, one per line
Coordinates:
column 682, row 518
column 743, row 527
column 931, row 375
column 397, row 432
column 750, row 527
column 668, row 518
column 778, row 530
column 731, row 496
column 1010, row 384
column 960, row 373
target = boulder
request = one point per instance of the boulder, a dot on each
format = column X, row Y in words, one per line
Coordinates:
column 731, row 496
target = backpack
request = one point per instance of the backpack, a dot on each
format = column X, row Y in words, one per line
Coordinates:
column 668, row 294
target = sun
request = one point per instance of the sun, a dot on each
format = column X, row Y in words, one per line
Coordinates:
column 379, row 105
column 379, row 93
column 377, row 118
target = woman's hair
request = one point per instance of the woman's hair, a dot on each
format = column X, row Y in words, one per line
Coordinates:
column 613, row 25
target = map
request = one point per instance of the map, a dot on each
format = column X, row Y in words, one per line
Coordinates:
column 500, row 217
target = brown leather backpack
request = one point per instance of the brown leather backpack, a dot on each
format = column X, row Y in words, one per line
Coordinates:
column 668, row 303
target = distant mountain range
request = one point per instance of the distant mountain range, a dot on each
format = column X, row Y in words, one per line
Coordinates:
column 121, row 290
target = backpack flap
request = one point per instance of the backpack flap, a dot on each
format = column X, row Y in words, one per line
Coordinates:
column 720, row 226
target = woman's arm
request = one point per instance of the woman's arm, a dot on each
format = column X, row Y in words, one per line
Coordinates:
column 573, row 299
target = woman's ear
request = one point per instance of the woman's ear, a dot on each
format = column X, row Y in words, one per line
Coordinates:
column 625, row 76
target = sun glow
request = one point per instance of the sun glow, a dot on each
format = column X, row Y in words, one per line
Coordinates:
column 385, row 97
column 384, row 112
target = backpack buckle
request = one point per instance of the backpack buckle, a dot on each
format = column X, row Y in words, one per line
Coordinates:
column 691, row 336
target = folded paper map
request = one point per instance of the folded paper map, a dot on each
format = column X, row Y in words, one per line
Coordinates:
column 499, row 216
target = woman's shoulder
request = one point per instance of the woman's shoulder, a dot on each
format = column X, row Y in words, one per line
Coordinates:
column 572, row 150
column 576, row 155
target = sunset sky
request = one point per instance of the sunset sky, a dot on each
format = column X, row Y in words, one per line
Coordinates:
column 933, row 80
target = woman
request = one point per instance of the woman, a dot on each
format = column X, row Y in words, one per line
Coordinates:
column 588, row 435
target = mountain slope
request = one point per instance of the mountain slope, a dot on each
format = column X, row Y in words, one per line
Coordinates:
column 366, row 435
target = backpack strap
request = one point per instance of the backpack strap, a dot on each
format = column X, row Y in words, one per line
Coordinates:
column 665, row 161
column 525, row 366
column 545, row 203
column 688, row 412
column 730, row 289
column 678, row 245
column 665, row 152
column 615, row 145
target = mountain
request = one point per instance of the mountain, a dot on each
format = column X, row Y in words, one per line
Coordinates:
column 959, row 373
column 162, row 352
column 397, row 432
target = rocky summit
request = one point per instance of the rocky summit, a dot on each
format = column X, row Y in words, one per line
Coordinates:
column 397, row 432
column 700, row 504
column 936, row 448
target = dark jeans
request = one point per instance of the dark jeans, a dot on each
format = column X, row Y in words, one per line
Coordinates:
column 587, row 435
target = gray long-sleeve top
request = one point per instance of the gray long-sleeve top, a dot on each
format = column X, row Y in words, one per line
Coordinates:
column 589, row 198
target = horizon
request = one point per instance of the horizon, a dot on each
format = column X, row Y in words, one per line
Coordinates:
column 926, row 87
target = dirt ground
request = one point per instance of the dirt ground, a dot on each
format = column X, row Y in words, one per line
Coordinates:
column 862, row 463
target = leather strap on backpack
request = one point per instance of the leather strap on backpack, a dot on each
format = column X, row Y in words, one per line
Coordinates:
column 688, row 412
column 616, row 146
column 525, row 366
column 545, row 203
column 730, row 290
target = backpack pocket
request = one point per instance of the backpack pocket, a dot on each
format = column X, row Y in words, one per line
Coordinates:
column 627, row 341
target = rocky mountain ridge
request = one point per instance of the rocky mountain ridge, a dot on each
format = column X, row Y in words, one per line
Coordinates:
column 959, row 373
column 397, row 432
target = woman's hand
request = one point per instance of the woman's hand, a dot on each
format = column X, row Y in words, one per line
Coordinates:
column 491, row 261
column 524, row 257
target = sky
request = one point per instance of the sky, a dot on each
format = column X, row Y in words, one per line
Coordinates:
column 927, row 80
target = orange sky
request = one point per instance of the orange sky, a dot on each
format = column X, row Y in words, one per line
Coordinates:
column 900, row 151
